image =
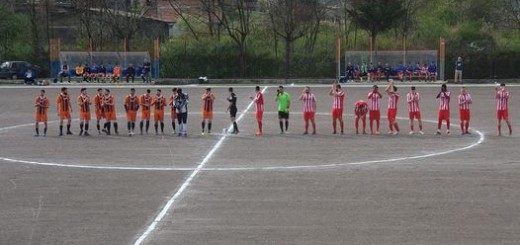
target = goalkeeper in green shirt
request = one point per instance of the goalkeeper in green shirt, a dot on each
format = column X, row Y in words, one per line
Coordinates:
column 284, row 102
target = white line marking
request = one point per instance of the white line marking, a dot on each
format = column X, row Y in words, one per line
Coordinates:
column 17, row 126
column 187, row 182
column 50, row 164
column 481, row 139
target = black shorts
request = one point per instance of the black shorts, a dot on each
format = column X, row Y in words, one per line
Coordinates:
column 283, row 115
column 182, row 117
column 233, row 112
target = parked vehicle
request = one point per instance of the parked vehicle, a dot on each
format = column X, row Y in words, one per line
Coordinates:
column 16, row 69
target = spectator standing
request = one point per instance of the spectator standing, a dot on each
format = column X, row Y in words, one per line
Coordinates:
column 459, row 65
column 147, row 68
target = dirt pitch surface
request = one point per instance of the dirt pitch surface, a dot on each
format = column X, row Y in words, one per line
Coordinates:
column 275, row 189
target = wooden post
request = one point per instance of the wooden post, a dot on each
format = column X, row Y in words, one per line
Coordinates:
column 155, row 58
column 54, row 56
column 338, row 58
column 442, row 58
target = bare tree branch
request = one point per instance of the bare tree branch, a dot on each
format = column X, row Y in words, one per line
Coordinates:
column 512, row 10
column 178, row 8
column 235, row 17
column 291, row 20
column 123, row 17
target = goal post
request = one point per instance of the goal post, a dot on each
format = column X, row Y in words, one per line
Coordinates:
column 442, row 58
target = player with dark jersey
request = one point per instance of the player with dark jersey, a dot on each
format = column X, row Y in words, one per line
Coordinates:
column 232, row 108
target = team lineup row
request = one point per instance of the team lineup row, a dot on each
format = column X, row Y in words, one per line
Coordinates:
column 105, row 109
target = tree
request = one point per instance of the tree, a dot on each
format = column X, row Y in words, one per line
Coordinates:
column 342, row 19
column 291, row 20
column 35, row 25
column 178, row 8
column 10, row 26
column 509, row 13
column 408, row 21
column 235, row 17
column 91, row 17
column 123, row 18
column 376, row 16
column 104, row 20
column 319, row 13
column 477, row 10
column 7, row 5
column 209, row 8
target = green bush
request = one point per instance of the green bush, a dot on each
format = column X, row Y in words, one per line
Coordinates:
column 489, row 46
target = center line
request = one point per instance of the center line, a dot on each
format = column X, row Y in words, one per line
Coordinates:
column 187, row 182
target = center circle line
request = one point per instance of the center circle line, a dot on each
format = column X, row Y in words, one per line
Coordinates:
column 403, row 158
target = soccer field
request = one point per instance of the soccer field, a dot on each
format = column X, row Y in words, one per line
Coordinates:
column 274, row 189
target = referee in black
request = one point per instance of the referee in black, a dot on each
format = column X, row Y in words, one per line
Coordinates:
column 232, row 108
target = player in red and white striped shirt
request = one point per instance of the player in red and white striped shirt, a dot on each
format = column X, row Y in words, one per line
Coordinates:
column 464, row 99
column 393, row 98
column 337, row 106
column 374, row 108
column 259, row 101
column 360, row 110
column 309, row 109
column 502, row 97
column 414, row 112
column 444, row 108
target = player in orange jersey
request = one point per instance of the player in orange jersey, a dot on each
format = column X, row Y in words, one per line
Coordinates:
column 173, row 113
column 98, row 105
column 42, row 105
column 64, row 109
column 360, row 110
column 158, row 102
column 84, row 103
column 116, row 74
column 145, row 101
column 79, row 70
column 131, row 108
column 207, row 109
column 109, row 106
